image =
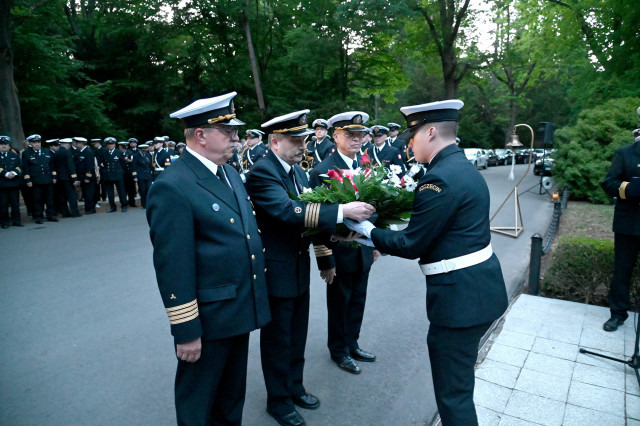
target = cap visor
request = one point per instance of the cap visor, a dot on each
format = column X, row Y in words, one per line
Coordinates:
column 233, row 122
column 305, row 132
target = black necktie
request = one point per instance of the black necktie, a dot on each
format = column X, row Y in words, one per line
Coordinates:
column 355, row 164
column 293, row 178
column 220, row 174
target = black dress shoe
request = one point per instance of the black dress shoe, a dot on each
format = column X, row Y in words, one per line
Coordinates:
column 52, row 219
column 76, row 215
column 308, row 401
column 90, row 212
column 112, row 210
column 347, row 364
column 5, row 226
column 291, row 419
column 18, row 224
column 360, row 355
column 124, row 210
column 39, row 221
column 613, row 324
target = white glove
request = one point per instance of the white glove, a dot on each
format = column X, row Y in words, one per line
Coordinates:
column 365, row 241
column 364, row 228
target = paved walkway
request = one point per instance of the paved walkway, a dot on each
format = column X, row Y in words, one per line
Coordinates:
column 533, row 372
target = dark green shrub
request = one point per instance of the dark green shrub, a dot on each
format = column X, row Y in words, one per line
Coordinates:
column 585, row 150
column 581, row 270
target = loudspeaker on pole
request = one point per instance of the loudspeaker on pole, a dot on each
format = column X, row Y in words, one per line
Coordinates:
column 545, row 133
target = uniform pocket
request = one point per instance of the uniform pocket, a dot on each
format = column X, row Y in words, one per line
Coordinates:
column 215, row 294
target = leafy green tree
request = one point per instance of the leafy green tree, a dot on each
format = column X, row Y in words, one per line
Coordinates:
column 586, row 149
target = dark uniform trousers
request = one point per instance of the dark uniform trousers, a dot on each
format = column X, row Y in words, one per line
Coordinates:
column 453, row 353
column 218, row 380
column 282, row 345
column 43, row 195
column 346, row 296
column 450, row 218
column 67, row 198
column 89, row 194
column 625, row 167
column 122, row 194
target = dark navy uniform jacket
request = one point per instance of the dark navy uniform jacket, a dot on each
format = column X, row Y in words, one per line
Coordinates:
column 10, row 162
column 86, row 164
column 208, row 253
column 283, row 222
column 234, row 161
column 64, row 165
column 112, row 166
column 345, row 257
column 251, row 155
column 387, row 156
column 142, row 165
column 450, row 218
column 624, row 167
column 38, row 168
column 322, row 150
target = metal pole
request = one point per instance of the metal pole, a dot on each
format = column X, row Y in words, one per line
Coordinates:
column 534, row 264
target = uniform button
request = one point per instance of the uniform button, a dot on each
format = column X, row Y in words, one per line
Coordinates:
column 264, row 249
column 259, row 231
column 255, row 277
column 231, row 220
column 265, row 269
column 253, row 257
column 254, row 212
column 248, row 237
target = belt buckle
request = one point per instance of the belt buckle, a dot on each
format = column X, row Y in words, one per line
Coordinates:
column 445, row 266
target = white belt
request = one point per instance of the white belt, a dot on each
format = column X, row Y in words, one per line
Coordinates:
column 448, row 265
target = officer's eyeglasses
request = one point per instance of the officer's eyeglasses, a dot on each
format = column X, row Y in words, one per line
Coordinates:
column 233, row 133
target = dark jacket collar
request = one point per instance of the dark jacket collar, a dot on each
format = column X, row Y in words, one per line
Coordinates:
column 445, row 152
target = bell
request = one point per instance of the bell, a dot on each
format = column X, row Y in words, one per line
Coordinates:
column 515, row 142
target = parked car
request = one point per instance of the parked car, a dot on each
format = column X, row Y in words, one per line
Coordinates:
column 538, row 153
column 492, row 158
column 522, row 156
column 504, row 156
column 546, row 169
column 477, row 157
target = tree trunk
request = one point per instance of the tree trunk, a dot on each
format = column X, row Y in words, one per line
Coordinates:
column 10, row 119
column 252, row 57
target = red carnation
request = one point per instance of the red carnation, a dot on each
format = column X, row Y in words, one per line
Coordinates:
column 365, row 159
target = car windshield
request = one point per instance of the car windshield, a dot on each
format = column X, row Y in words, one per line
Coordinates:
column 471, row 151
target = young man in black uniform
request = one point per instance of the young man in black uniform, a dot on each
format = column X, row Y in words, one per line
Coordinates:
column 144, row 173
column 67, row 178
column 40, row 176
column 283, row 222
column 623, row 182
column 347, row 282
column 112, row 175
column 254, row 151
column 201, row 219
column 383, row 154
column 86, row 173
column 130, row 175
column 322, row 146
column 10, row 173
column 449, row 232
column 100, row 152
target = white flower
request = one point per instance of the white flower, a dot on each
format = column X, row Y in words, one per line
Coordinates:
column 395, row 169
column 408, row 180
column 357, row 171
column 411, row 187
column 395, row 180
column 414, row 170
column 306, row 190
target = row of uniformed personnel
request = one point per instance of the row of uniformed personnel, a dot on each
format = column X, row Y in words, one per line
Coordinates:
column 48, row 177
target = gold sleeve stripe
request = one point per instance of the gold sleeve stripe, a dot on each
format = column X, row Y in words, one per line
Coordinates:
column 1, row 170
column 322, row 250
column 74, row 176
column 194, row 302
column 54, row 173
column 19, row 169
column 311, row 215
column 623, row 190
column 177, row 317
column 27, row 177
column 185, row 319
column 88, row 174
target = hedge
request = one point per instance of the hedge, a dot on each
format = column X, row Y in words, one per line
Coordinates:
column 581, row 270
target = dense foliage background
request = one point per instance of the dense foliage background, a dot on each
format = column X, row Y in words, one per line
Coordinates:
column 97, row 68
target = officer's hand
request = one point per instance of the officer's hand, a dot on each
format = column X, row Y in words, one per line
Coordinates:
column 328, row 275
column 365, row 242
column 357, row 210
column 364, row 228
column 55, row 180
column 189, row 351
column 376, row 255
column 29, row 184
column 351, row 236
column 86, row 181
column 135, row 180
column 76, row 183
